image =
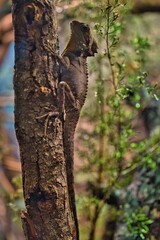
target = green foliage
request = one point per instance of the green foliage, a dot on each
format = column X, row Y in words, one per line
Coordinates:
column 111, row 152
column 138, row 225
column 121, row 91
column 15, row 200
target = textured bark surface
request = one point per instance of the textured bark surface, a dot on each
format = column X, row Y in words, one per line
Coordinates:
column 47, row 213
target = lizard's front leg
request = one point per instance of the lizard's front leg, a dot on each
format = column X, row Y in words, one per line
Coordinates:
column 66, row 92
column 47, row 115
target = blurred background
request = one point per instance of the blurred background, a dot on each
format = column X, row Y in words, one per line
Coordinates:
column 9, row 152
column 117, row 152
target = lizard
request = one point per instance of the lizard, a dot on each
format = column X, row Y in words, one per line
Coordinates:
column 73, row 87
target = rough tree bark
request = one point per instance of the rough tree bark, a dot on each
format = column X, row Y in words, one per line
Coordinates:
column 47, row 213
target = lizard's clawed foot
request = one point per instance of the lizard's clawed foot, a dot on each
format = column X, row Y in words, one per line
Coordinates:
column 47, row 115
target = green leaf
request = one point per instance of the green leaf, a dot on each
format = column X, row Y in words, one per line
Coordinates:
column 142, row 236
column 156, row 97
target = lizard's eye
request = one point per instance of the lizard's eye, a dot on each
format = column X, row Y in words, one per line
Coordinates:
column 85, row 28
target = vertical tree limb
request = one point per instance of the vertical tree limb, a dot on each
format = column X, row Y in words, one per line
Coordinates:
column 47, row 213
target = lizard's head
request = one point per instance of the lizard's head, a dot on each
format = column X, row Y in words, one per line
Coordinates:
column 81, row 40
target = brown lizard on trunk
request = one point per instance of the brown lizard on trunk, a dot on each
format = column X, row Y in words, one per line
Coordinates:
column 72, row 91
column 73, row 85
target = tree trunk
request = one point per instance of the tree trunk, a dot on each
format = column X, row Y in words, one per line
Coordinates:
column 47, row 213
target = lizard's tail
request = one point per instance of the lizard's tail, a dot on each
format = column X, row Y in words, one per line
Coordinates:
column 68, row 138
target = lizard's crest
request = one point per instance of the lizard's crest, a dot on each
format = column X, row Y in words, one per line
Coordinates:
column 81, row 42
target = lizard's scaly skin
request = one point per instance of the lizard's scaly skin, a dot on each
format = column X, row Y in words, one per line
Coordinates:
column 73, row 72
